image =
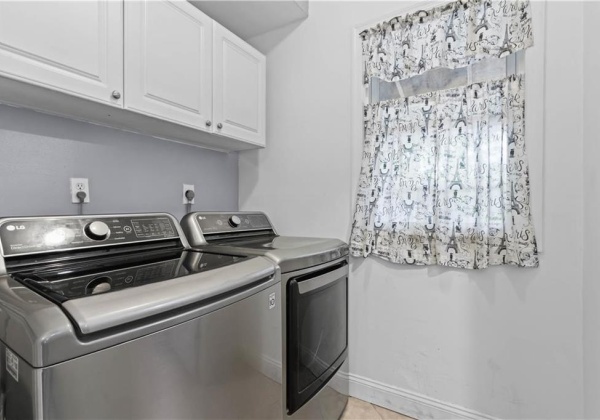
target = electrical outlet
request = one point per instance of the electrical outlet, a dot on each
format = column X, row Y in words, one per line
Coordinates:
column 187, row 187
column 80, row 184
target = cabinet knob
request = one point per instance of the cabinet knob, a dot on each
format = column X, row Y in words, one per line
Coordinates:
column 219, row 126
column 116, row 94
column 208, row 123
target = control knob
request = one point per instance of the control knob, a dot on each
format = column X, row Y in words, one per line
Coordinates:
column 234, row 221
column 98, row 285
column 97, row 231
column 101, row 288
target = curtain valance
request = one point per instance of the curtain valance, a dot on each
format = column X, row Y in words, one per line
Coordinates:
column 452, row 36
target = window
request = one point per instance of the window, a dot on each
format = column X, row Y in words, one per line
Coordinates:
column 444, row 176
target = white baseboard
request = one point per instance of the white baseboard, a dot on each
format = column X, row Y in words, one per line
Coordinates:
column 393, row 398
column 408, row 402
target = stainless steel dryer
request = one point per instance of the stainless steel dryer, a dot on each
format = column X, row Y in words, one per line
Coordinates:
column 314, row 289
column 114, row 317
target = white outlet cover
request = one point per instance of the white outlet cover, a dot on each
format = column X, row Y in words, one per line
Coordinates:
column 185, row 188
column 80, row 184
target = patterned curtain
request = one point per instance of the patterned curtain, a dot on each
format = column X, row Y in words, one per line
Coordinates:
column 444, row 179
column 454, row 35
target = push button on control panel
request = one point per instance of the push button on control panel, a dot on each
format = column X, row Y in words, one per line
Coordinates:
column 97, row 231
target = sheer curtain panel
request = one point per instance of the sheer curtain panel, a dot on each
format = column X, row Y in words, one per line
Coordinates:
column 445, row 180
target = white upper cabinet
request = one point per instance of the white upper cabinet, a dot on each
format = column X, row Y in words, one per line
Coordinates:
column 239, row 73
column 168, row 62
column 74, row 47
column 164, row 68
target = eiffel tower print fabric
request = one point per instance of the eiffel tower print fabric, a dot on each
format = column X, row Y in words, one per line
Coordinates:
column 454, row 35
column 445, row 179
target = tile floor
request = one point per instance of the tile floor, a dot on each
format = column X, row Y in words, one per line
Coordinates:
column 362, row 410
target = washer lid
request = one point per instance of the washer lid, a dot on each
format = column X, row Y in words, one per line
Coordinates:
column 289, row 252
column 109, row 292
column 85, row 278
column 105, row 311
column 44, row 333
column 252, row 233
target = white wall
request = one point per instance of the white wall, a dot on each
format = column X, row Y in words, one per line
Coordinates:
column 591, row 179
column 505, row 342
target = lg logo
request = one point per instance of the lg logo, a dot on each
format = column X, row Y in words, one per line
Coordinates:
column 11, row 228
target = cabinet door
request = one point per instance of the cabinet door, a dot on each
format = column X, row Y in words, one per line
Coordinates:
column 75, row 47
column 168, row 61
column 239, row 75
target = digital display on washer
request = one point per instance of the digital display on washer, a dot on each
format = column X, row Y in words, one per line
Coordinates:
column 152, row 228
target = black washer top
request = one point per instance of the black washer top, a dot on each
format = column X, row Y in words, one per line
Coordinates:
column 77, row 279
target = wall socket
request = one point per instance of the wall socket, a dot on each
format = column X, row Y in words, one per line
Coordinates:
column 185, row 188
column 80, row 184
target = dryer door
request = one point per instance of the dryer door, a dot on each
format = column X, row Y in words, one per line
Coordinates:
column 317, row 331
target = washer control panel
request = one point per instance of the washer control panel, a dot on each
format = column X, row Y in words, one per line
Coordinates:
column 47, row 234
column 231, row 222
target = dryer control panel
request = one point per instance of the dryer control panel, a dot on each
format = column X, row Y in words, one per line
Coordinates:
column 202, row 228
column 32, row 235
column 229, row 222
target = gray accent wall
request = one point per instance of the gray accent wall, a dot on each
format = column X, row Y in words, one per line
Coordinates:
column 127, row 172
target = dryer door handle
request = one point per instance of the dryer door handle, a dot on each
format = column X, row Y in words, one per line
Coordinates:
column 322, row 280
